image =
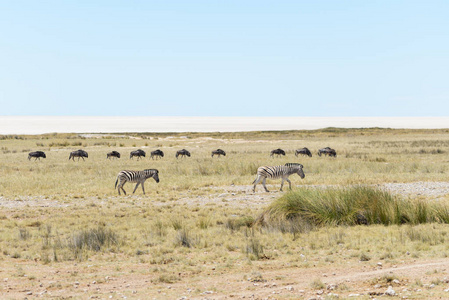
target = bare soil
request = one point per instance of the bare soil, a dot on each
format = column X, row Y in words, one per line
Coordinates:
column 104, row 280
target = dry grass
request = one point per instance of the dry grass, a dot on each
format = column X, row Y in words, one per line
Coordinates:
column 85, row 222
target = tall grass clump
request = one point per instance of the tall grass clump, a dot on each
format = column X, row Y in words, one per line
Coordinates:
column 92, row 239
column 349, row 206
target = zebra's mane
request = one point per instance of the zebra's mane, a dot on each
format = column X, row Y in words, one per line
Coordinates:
column 149, row 170
column 293, row 165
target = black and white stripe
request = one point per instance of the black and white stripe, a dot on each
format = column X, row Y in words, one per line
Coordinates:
column 135, row 176
column 275, row 172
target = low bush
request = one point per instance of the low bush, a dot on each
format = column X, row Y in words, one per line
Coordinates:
column 359, row 205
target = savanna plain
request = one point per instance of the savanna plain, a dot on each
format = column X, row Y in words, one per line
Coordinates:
column 369, row 223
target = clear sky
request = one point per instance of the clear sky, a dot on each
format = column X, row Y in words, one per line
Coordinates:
column 224, row 58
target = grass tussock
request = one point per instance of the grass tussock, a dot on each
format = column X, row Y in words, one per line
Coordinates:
column 94, row 239
column 359, row 205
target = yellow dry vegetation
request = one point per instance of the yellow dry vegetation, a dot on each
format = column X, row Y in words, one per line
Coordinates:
column 64, row 227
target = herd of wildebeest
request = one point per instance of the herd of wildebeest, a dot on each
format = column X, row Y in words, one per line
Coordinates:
column 181, row 153
column 139, row 177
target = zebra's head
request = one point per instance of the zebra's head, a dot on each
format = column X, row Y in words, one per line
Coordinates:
column 298, row 168
column 153, row 173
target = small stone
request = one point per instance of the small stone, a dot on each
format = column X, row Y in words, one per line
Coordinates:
column 396, row 281
column 390, row 291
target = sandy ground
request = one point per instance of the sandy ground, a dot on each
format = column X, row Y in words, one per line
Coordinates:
column 339, row 281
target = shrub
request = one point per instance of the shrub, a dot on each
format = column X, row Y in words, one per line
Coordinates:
column 348, row 206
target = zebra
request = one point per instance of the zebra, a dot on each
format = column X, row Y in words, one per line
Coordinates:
column 183, row 153
column 36, row 155
column 303, row 151
column 157, row 153
column 139, row 153
column 78, row 153
column 135, row 176
column 274, row 172
column 327, row 151
column 278, row 152
column 113, row 154
column 218, row 152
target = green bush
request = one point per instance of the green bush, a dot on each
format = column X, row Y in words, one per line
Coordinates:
column 349, row 206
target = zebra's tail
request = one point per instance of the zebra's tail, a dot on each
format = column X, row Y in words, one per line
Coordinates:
column 116, row 183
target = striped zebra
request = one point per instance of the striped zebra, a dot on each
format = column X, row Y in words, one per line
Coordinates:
column 276, row 172
column 135, row 176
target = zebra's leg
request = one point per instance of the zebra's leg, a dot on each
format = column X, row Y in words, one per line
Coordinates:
column 136, row 186
column 258, row 178
column 143, row 188
column 264, row 185
column 120, row 186
column 282, row 183
column 289, row 183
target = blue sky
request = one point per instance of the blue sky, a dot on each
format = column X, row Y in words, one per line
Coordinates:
column 224, row 58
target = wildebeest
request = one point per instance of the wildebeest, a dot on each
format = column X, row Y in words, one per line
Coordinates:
column 183, row 153
column 139, row 153
column 303, row 151
column 113, row 154
column 78, row 153
column 36, row 155
column 274, row 172
column 218, row 152
column 278, row 152
column 157, row 153
column 327, row 151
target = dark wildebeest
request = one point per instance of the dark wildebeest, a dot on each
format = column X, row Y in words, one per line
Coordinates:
column 303, row 151
column 183, row 153
column 36, row 155
column 327, row 151
column 278, row 152
column 157, row 153
column 113, row 154
column 218, row 152
column 139, row 153
column 78, row 153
